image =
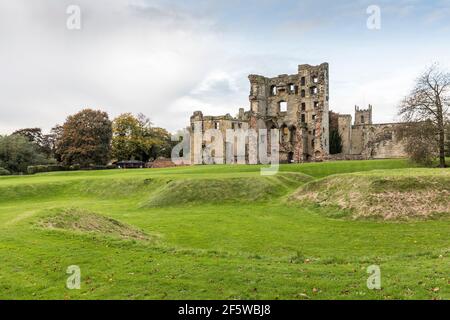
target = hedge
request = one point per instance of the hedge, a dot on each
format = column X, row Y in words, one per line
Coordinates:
column 100, row 167
column 74, row 167
column 45, row 168
column 4, row 172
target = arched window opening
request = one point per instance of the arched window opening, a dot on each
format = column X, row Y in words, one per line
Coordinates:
column 273, row 90
column 293, row 89
column 283, row 106
column 303, row 81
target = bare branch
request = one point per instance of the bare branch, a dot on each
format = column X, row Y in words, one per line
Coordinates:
column 429, row 102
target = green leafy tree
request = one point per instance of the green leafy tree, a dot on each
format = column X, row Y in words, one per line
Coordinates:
column 85, row 138
column 335, row 142
column 162, row 143
column 135, row 139
column 35, row 135
column 17, row 153
column 53, row 139
column 32, row 134
column 127, row 134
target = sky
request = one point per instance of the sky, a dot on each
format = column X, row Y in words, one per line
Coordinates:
column 169, row 58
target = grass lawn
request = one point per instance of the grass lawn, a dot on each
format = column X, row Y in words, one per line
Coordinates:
column 212, row 232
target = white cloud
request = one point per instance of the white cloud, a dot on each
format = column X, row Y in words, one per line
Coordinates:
column 128, row 57
column 168, row 58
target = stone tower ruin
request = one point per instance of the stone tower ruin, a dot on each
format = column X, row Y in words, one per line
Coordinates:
column 363, row 116
column 297, row 105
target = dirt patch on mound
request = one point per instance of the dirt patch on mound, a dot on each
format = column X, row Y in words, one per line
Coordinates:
column 409, row 204
column 84, row 221
column 162, row 163
column 391, row 196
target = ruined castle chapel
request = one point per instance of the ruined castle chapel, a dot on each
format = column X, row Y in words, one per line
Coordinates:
column 298, row 106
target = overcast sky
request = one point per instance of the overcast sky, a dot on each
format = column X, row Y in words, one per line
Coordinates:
column 169, row 58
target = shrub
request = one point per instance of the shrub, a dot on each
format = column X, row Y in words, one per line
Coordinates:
column 101, row 167
column 4, row 172
column 74, row 167
column 45, row 168
column 17, row 153
column 420, row 142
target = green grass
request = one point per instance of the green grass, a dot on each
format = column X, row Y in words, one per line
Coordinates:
column 250, row 245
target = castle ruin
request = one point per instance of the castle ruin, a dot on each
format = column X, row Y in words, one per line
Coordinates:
column 298, row 106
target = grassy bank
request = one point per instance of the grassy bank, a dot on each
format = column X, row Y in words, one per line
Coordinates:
column 209, row 232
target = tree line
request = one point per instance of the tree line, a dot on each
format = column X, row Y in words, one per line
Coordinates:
column 90, row 138
column 87, row 138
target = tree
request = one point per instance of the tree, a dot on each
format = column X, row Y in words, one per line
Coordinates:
column 447, row 141
column 162, row 143
column 335, row 137
column 335, row 142
column 135, row 139
column 127, row 134
column 32, row 134
column 36, row 136
column 420, row 141
column 429, row 102
column 85, row 138
column 53, row 139
column 17, row 153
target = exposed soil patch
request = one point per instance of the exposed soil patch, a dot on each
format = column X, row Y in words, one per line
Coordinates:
column 393, row 195
column 85, row 221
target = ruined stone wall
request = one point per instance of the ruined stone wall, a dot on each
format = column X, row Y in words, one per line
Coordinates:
column 345, row 130
column 221, row 123
column 298, row 106
column 376, row 141
column 358, row 139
